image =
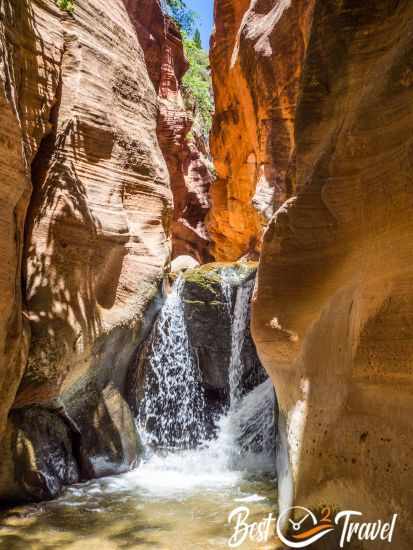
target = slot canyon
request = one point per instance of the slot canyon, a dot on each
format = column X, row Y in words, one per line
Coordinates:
column 205, row 294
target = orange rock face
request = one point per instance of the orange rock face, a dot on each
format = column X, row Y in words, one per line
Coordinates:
column 80, row 150
column 317, row 103
column 256, row 67
column 96, row 227
column 91, row 108
column 185, row 155
column 24, row 113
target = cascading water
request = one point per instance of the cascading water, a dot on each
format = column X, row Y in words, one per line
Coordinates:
column 185, row 488
column 227, row 290
column 238, row 328
column 172, row 411
column 248, row 427
column 172, row 415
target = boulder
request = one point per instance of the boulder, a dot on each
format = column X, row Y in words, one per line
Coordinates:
column 181, row 263
column 38, row 456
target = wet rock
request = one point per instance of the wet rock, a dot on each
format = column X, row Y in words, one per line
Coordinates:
column 253, row 372
column 209, row 327
column 41, row 454
column 209, row 312
column 108, row 442
column 45, row 449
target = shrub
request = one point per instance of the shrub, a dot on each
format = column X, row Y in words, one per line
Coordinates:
column 197, row 86
column 66, row 5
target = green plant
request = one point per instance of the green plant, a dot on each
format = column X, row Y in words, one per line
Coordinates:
column 206, row 279
column 66, row 5
column 197, row 39
column 197, row 85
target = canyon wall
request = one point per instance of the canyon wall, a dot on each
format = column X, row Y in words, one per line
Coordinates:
column 86, row 211
column 314, row 122
column 185, row 151
column 256, row 68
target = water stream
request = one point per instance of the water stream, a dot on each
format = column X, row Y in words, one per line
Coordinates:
column 182, row 493
column 239, row 325
column 171, row 414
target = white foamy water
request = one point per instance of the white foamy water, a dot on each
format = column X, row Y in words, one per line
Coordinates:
column 227, row 290
column 238, row 332
column 245, row 440
column 176, row 499
column 172, row 411
column 244, row 446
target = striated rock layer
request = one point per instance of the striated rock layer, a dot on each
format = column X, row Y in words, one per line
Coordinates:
column 79, row 150
column 185, row 152
column 256, row 66
column 333, row 314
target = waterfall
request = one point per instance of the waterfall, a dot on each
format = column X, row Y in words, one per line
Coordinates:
column 238, row 330
column 247, row 430
column 172, row 412
column 227, row 291
column 253, row 423
column 246, row 436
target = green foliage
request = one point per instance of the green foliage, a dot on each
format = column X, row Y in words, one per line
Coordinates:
column 184, row 16
column 197, row 39
column 197, row 85
column 66, row 5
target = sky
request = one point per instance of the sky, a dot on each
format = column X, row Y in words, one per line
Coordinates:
column 205, row 10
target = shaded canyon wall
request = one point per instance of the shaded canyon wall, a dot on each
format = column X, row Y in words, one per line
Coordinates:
column 185, row 150
column 316, row 110
column 86, row 216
